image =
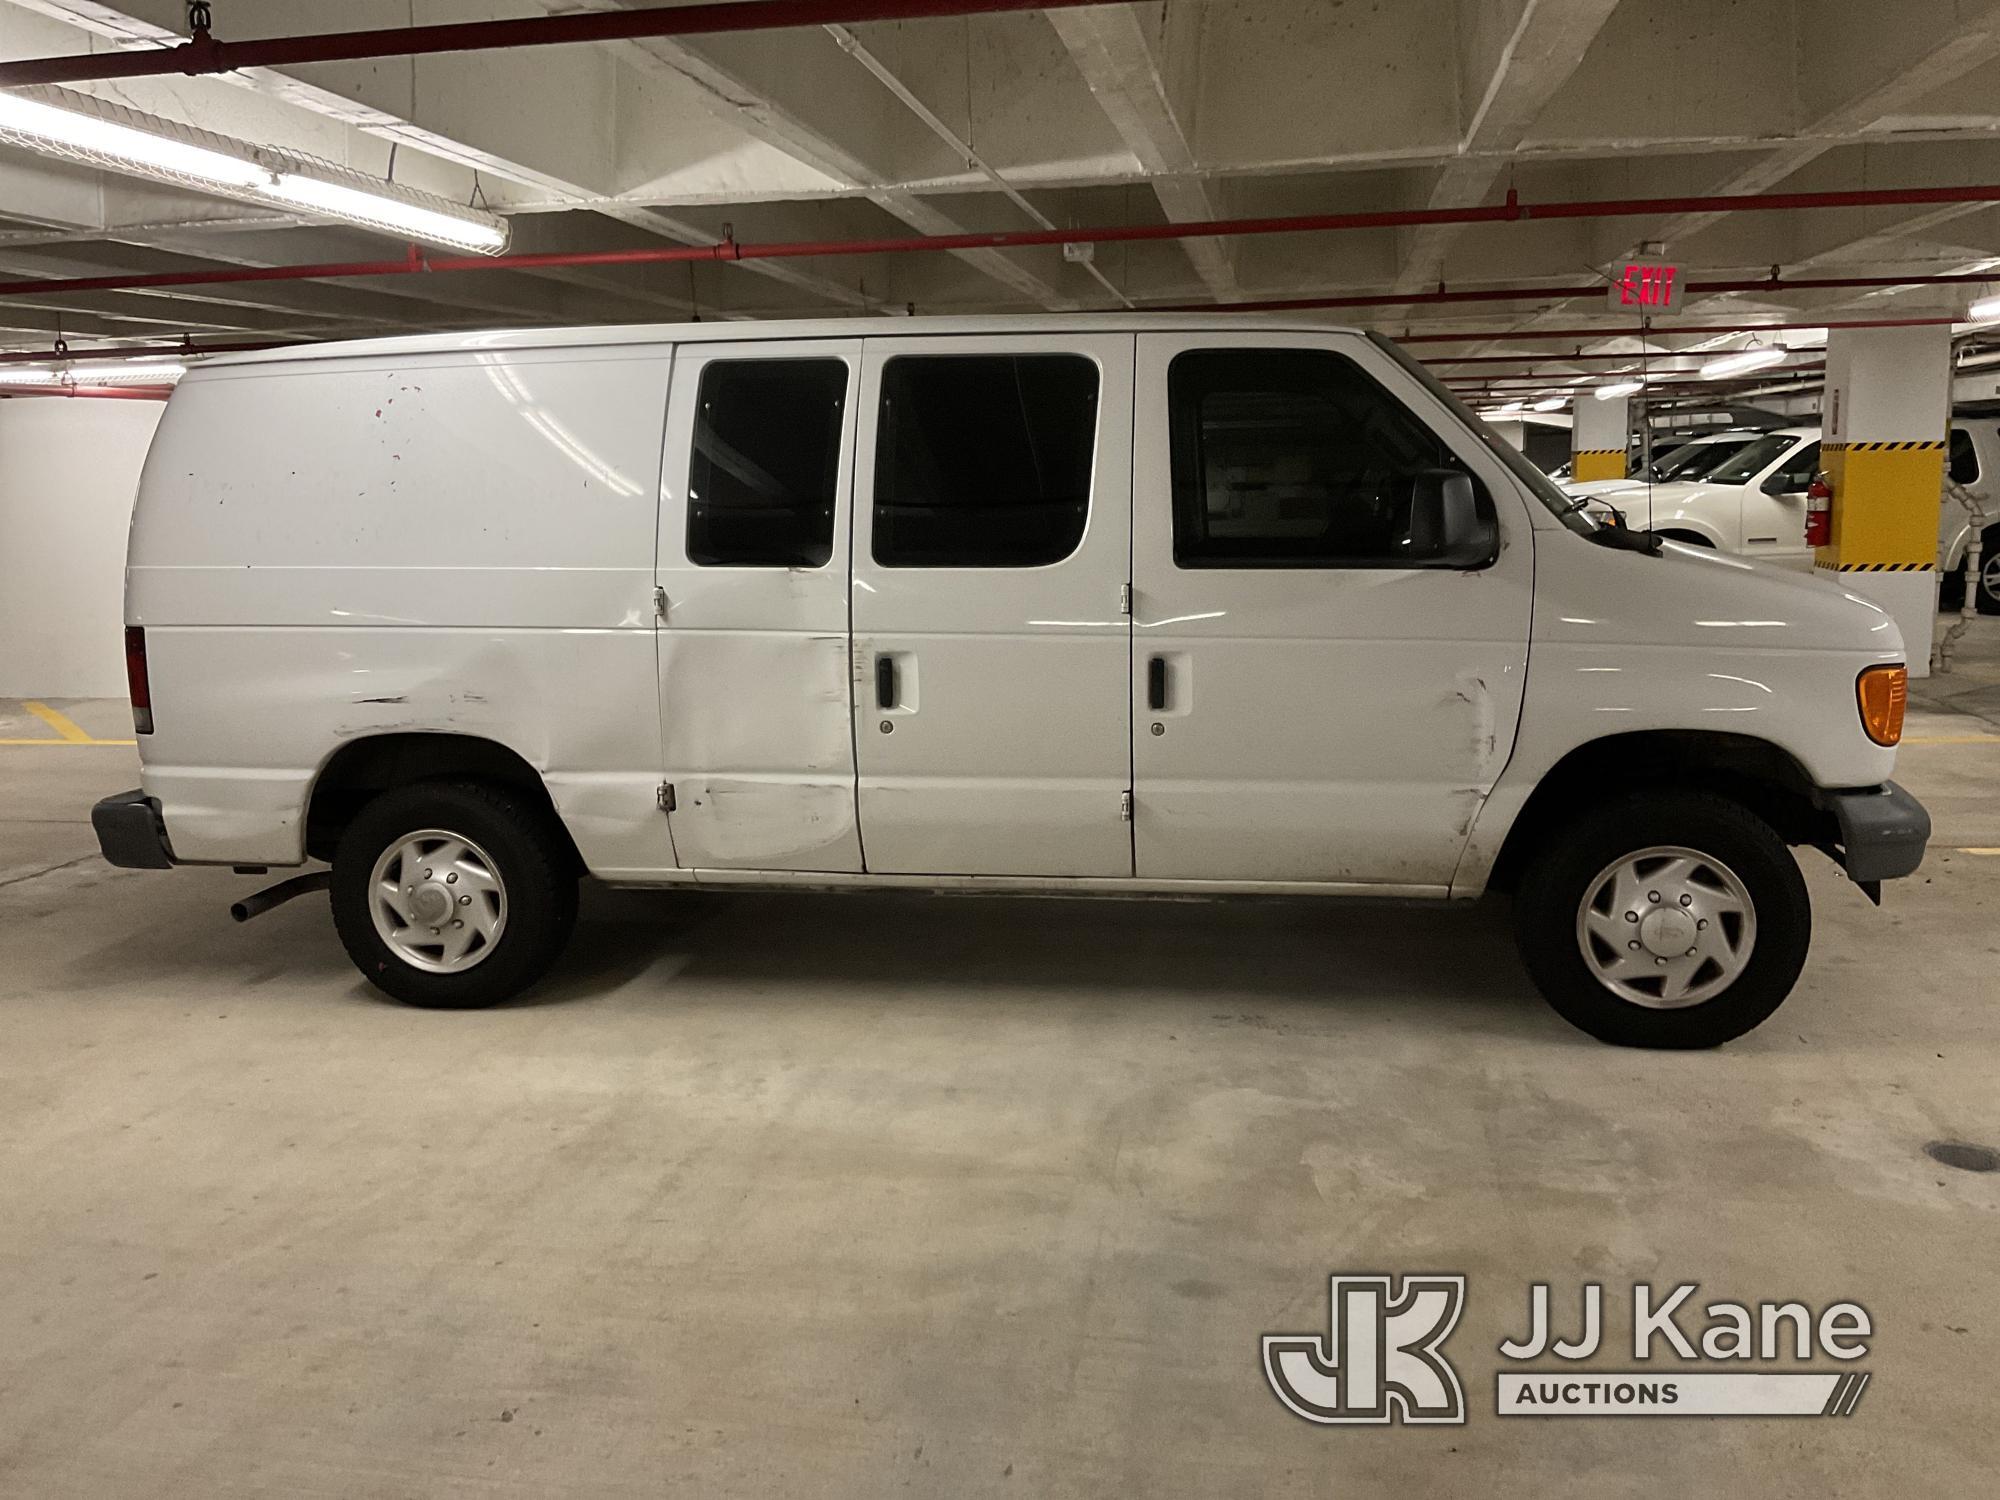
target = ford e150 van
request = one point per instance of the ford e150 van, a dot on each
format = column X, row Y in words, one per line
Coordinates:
column 1169, row 606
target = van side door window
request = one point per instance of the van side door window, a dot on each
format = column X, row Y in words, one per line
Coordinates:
column 983, row 462
column 755, row 714
column 765, row 462
column 1317, row 695
column 991, row 652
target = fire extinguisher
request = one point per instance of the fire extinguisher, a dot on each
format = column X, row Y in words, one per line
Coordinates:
column 1819, row 512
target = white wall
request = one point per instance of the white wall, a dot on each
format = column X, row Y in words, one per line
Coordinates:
column 68, row 471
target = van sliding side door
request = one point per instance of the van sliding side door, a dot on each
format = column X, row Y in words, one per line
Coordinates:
column 753, row 644
column 992, row 546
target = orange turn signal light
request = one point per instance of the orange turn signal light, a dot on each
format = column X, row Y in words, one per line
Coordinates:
column 1882, row 693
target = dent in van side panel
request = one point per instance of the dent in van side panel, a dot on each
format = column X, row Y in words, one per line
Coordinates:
column 250, row 716
column 764, row 718
column 1692, row 639
column 756, row 722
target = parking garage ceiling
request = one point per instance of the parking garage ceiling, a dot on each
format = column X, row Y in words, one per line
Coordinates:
column 1122, row 114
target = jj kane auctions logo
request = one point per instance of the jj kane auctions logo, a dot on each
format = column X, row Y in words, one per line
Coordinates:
column 1382, row 1358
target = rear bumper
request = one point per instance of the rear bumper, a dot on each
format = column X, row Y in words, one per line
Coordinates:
column 1883, row 831
column 129, row 832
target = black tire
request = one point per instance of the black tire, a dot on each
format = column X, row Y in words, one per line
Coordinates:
column 1557, row 880
column 527, row 853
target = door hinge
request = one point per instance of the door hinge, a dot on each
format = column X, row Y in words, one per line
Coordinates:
column 1124, row 598
column 1125, row 806
column 665, row 796
column 660, row 603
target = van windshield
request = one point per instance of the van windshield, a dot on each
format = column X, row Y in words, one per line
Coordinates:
column 1754, row 459
column 1567, row 508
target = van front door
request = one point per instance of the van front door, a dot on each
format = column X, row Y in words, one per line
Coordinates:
column 992, row 547
column 1315, row 699
column 754, row 710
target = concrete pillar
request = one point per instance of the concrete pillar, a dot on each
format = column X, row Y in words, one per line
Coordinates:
column 1597, row 437
column 1884, row 414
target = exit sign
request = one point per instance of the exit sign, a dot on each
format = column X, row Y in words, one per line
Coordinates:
column 1646, row 286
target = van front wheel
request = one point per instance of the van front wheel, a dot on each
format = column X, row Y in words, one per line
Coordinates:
column 1665, row 919
column 452, row 894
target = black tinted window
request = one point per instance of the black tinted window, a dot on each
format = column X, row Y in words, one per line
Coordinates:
column 1797, row 471
column 983, row 460
column 1752, row 461
column 1964, row 461
column 766, row 463
column 1293, row 458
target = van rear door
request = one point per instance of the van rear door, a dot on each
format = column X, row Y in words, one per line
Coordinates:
column 1311, row 706
column 752, row 558
column 992, row 536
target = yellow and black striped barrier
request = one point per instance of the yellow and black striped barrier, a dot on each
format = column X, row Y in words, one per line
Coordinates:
column 1885, row 505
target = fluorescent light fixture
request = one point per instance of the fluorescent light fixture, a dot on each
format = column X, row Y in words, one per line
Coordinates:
column 1986, row 310
column 150, row 373
column 1619, row 388
column 28, row 122
column 1744, row 360
column 486, row 233
column 1550, row 403
column 99, row 133
column 1510, row 408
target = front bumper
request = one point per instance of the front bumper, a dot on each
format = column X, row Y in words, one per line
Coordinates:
column 1883, row 830
column 129, row 832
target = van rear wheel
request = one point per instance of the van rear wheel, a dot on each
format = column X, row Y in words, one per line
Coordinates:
column 452, row 894
column 1664, row 919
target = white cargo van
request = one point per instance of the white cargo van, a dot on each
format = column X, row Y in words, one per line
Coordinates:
column 1095, row 605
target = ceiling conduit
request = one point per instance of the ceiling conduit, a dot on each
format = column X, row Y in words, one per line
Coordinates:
column 202, row 53
column 1511, row 211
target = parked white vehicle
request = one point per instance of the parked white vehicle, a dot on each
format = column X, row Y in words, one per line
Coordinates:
column 1753, row 503
column 1095, row 605
column 1683, row 463
column 1972, row 460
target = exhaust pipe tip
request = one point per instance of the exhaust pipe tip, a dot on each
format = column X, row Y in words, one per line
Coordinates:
column 279, row 894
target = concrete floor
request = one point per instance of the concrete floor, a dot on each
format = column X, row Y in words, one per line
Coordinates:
column 769, row 1195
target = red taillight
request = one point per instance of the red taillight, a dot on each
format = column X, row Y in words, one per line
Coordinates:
column 136, row 680
column 1819, row 512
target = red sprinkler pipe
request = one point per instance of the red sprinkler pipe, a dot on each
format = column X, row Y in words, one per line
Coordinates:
column 1512, row 210
column 1526, row 385
column 1657, row 330
column 203, row 54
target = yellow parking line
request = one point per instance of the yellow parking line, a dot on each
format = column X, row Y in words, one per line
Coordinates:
column 69, row 744
column 61, row 723
column 1951, row 739
column 1976, row 851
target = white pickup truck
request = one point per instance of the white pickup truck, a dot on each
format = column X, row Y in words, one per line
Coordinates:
column 1753, row 503
column 1161, row 605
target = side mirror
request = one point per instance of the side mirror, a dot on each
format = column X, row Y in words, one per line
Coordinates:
column 1446, row 527
column 1782, row 483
